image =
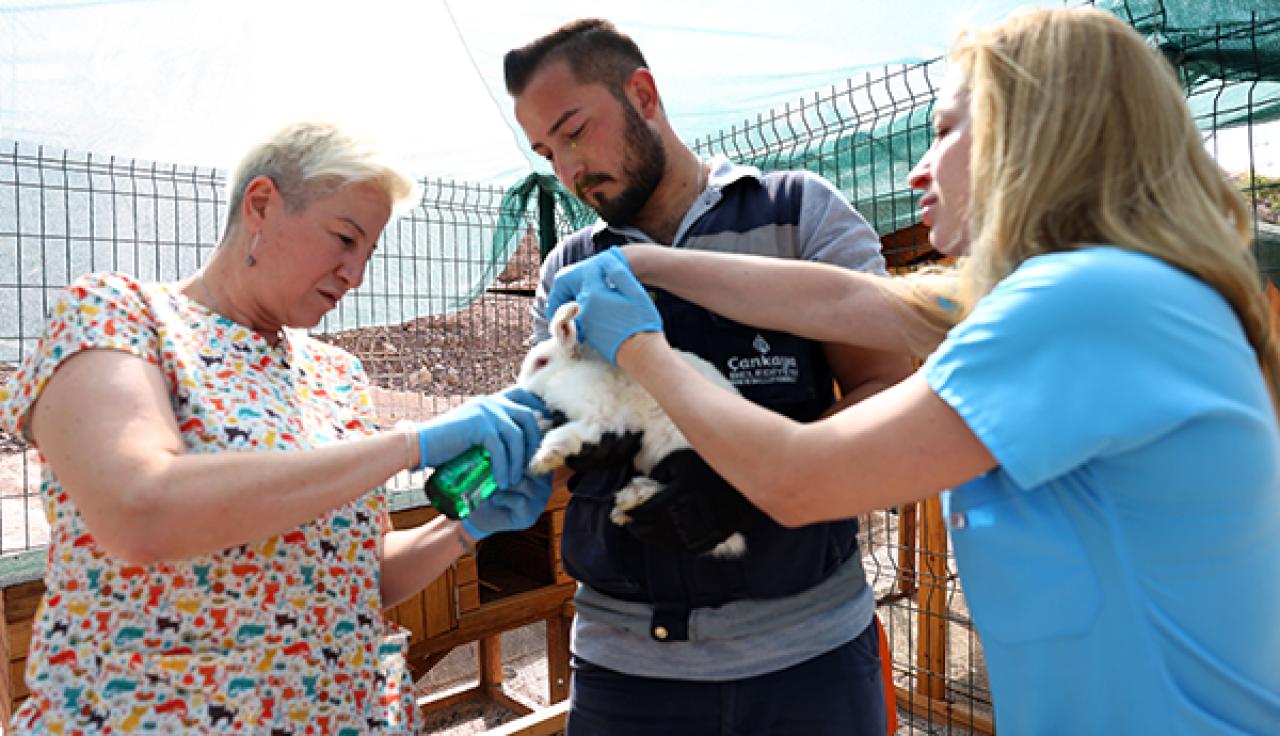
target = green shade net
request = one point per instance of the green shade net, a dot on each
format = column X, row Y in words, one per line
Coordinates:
column 567, row 214
column 1227, row 53
column 867, row 136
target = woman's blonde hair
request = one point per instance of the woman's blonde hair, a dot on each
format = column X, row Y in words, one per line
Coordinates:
column 308, row 161
column 1081, row 137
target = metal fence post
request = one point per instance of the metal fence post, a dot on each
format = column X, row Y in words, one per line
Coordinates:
column 547, row 236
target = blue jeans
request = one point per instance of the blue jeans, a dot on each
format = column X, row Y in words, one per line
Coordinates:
column 837, row 693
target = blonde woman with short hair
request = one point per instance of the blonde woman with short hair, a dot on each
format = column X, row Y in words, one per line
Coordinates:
column 220, row 548
column 1099, row 391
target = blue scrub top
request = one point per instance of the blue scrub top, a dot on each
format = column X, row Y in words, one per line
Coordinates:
column 1122, row 564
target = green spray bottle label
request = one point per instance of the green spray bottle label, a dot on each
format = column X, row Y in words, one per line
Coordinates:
column 459, row 485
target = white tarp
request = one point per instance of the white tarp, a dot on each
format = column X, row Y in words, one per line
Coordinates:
column 180, row 81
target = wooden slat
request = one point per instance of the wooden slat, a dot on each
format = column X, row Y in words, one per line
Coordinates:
column 465, row 570
column 489, row 654
column 510, row 702
column 444, row 699
column 6, row 679
column 931, row 622
column 409, row 615
column 908, row 546
column 18, row 605
column 559, row 489
column 17, row 681
column 547, row 721
column 18, row 634
column 942, row 713
column 468, row 598
column 558, row 628
column 438, row 610
column 22, row 600
column 454, row 697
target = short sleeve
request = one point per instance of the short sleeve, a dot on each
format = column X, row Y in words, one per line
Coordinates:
column 361, row 399
column 359, row 395
column 95, row 312
column 1082, row 355
column 834, row 232
column 538, row 309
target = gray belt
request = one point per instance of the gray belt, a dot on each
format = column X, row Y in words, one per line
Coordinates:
column 733, row 620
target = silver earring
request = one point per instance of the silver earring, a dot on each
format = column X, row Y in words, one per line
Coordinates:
column 249, row 259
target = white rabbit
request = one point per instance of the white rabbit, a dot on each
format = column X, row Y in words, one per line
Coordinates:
column 598, row 398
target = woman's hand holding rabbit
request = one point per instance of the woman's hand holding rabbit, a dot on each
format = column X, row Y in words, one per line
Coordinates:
column 506, row 424
column 614, row 304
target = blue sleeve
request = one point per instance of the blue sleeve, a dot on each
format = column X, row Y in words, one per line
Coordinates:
column 1082, row 355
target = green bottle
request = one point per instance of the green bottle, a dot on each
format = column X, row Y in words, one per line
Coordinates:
column 459, row 485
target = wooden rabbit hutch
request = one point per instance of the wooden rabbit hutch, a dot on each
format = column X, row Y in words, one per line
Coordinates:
column 515, row 579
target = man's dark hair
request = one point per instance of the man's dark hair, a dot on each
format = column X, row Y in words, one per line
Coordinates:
column 597, row 52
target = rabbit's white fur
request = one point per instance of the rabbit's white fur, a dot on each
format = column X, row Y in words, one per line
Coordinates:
column 599, row 398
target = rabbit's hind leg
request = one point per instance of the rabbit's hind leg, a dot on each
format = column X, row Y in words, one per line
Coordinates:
column 733, row 547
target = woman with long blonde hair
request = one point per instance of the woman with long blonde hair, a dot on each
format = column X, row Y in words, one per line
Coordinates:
column 1099, row 391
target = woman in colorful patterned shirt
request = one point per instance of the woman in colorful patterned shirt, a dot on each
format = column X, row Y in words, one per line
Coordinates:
column 218, row 561
column 1100, row 389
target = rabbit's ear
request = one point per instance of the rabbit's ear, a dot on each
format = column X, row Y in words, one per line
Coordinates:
column 567, row 335
column 563, row 328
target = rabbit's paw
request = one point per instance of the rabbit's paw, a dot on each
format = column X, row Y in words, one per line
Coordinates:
column 545, row 460
column 634, row 494
column 733, row 547
column 557, row 445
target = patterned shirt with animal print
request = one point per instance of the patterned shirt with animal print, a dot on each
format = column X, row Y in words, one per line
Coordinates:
column 281, row 636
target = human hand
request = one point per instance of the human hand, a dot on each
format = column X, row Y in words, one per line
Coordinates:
column 696, row 509
column 516, row 507
column 523, row 397
column 614, row 305
column 505, row 424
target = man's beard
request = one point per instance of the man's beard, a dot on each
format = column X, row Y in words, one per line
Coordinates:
column 643, row 161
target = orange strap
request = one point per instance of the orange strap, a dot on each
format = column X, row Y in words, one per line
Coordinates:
column 886, row 671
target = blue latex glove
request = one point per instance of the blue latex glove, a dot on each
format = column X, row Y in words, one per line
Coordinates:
column 506, row 424
column 510, row 508
column 614, row 304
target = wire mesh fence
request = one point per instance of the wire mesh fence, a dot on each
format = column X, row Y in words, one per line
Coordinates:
column 443, row 312
column 864, row 136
